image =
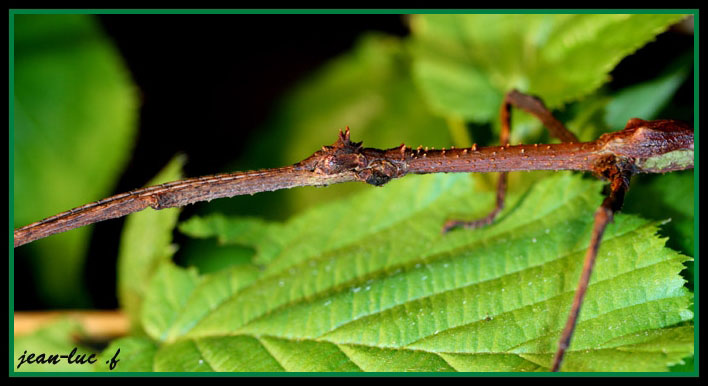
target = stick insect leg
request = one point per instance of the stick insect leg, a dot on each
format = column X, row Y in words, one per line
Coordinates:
column 535, row 107
column 603, row 216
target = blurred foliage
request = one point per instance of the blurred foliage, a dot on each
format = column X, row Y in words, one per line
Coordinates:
column 369, row 89
column 75, row 111
column 648, row 98
column 465, row 63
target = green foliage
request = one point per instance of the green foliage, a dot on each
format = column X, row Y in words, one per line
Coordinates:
column 75, row 111
column 465, row 63
column 658, row 197
column 383, row 290
column 646, row 99
column 602, row 111
column 685, row 366
column 371, row 90
column 676, row 202
column 668, row 196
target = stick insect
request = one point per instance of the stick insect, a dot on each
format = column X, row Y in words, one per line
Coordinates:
column 657, row 146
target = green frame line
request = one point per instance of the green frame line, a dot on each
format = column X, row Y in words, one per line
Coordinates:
column 316, row 11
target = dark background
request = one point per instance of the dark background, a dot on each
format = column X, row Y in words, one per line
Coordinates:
column 220, row 76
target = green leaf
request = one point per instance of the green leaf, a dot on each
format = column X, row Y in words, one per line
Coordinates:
column 645, row 100
column 210, row 256
column 177, row 297
column 57, row 338
column 265, row 237
column 465, row 63
column 167, row 294
column 227, row 354
column 369, row 283
column 669, row 196
column 651, row 350
column 136, row 355
column 370, row 89
column 146, row 241
column 75, row 109
column 684, row 366
column 588, row 121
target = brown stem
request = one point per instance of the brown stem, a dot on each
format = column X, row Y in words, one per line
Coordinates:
column 348, row 161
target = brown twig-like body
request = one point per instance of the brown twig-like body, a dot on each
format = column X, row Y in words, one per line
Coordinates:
column 174, row 194
column 347, row 161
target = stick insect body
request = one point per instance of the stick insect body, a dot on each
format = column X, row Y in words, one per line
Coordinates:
column 658, row 146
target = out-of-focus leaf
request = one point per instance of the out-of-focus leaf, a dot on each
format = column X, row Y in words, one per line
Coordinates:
column 75, row 110
column 136, row 355
column 145, row 243
column 57, row 338
column 369, row 283
column 370, row 89
column 465, row 63
column 263, row 236
column 670, row 196
column 588, row 121
column 211, row 256
column 645, row 100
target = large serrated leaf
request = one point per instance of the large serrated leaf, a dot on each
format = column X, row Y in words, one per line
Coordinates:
column 75, row 111
column 465, row 63
column 370, row 284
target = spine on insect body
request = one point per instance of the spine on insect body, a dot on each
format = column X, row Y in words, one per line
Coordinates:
column 563, row 156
